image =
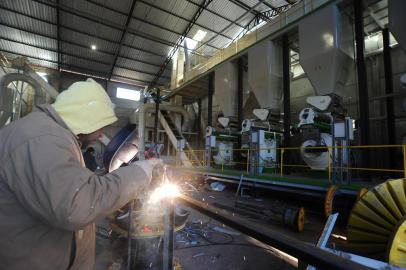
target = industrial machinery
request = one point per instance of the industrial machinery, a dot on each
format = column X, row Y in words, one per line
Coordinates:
column 220, row 143
column 20, row 92
column 376, row 227
column 326, row 131
column 262, row 136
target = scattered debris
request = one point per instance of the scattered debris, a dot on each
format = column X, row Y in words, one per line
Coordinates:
column 217, row 186
column 198, row 254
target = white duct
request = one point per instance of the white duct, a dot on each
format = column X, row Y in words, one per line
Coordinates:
column 397, row 20
column 225, row 85
column 150, row 107
column 265, row 73
column 326, row 45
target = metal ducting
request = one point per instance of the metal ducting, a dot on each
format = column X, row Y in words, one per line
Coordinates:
column 265, row 74
column 397, row 20
column 326, row 48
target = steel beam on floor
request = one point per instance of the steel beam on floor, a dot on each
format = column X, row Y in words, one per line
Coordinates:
column 305, row 252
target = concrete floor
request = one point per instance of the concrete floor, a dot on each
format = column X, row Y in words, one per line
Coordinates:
column 243, row 253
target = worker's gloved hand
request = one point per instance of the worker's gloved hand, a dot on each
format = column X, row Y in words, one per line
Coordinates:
column 150, row 167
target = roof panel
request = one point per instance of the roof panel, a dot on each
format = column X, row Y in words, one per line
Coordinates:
column 90, row 27
column 97, row 11
column 154, row 31
column 32, row 8
column 133, row 74
column 153, row 46
column 136, row 65
column 87, row 41
column 140, row 55
column 29, row 24
column 97, row 68
column 27, row 50
column 26, row 37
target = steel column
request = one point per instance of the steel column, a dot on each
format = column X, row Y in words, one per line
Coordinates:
column 240, row 103
column 199, row 121
column 210, row 100
column 390, row 112
column 317, row 257
column 286, row 90
column 387, row 63
column 363, row 98
column 156, row 122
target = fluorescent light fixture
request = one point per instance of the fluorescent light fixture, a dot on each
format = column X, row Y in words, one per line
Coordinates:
column 93, row 47
column 43, row 76
column 130, row 94
column 199, row 36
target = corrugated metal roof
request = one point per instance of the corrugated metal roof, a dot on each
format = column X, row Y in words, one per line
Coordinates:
column 154, row 28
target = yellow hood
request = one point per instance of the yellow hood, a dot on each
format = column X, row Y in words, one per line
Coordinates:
column 85, row 107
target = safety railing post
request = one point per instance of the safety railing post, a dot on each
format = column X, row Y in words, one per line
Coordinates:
column 329, row 163
column 248, row 160
column 282, row 153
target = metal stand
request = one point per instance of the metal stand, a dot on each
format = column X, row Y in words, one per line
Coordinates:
column 168, row 235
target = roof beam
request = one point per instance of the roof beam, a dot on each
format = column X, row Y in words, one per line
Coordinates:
column 127, row 23
column 91, row 17
column 217, row 14
column 76, row 44
column 152, row 23
column 250, row 9
column 97, row 74
column 78, row 56
column 78, row 31
column 180, row 41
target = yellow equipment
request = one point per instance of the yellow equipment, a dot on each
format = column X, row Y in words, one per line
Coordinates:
column 376, row 227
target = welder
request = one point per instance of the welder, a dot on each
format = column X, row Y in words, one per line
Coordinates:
column 48, row 199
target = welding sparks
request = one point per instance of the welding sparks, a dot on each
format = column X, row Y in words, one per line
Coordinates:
column 165, row 191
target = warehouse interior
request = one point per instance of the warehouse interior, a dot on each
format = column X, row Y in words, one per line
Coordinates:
column 281, row 124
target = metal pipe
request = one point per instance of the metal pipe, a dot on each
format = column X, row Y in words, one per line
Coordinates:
column 303, row 251
column 168, row 235
column 150, row 107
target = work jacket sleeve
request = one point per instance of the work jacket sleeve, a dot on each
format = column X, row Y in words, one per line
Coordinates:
column 48, row 179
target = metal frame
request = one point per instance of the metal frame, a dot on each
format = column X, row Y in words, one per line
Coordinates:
column 180, row 41
column 123, row 33
column 303, row 251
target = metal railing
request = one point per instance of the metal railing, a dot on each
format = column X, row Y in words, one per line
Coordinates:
column 244, row 159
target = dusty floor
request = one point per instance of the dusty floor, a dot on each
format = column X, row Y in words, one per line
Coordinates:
column 238, row 252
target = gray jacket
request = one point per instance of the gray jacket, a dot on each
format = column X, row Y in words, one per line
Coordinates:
column 48, row 198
